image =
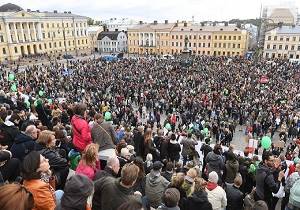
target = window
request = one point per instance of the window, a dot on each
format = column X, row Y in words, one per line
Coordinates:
column 1, row 38
column 45, row 46
column 275, row 38
column 180, row 36
column 195, row 44
column 298, row 47
column 215, row 45
column 204, row 37
column 225, row 37
column 274, row 47
column 229, row 37
column 172, row 44
column 220, row 45
column 293, row 47
column 286, row 47
column 233, row 45
column 281, row 38
column 209, row 37
column 40, row 46
column 239, row 46
column 172, row 36
column 47, row 25
column 269, row 37
column 195, row 37
column 220, row 37
column 199, row 45
column 4, row 51
column 240, row 37
column 216, row 37
column 234, row 37
column 203, row 44
column 268, row 46
column 287, row 39
column 224, row 45
column 50, row 45
column 297, row 56
column 208, row 45
column 16, row 50
column 267, row 55
column 280, row 47
column 176, row 36
column 54, row 44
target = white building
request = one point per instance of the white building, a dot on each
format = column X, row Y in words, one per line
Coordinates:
column 283, row 42
column 253, row 32
column 119, row 24
column 286, row 13
column 112, row 42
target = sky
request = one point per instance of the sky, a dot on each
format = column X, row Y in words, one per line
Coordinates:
column 150, row 10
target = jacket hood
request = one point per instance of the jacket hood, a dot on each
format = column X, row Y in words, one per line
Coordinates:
column 233, row 164
column 199, row 196
column 22, row 137
column 163, row 207
column 213, row 156
column 76, row 192
column 154, row 178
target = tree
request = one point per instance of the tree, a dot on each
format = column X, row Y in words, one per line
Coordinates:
column 90, row 22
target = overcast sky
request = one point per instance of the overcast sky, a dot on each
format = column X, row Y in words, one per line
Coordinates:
column 149, row 10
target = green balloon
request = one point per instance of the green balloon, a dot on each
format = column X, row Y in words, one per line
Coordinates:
column 41, row 93
column 168, row 126
column 107, row 116
column 38, row 102
column 205, row 130
column 50, row 101
column 27, row 103
column 11, row 77
column 266, row 142
column 252, row 168
column 13, row 87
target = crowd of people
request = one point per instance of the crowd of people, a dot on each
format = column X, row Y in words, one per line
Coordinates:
column 149, row 133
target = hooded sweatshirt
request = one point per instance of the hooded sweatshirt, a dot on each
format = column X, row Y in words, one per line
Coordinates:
column 155, row 187
column 232, row 168
column 76, row 193
column 198, row 201
column 214, row 163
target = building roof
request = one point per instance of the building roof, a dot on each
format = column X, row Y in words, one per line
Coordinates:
column 282, row 14
column 57, row 14
column 113, row 35
column 205, row 28
column 153, row 27
column 9, row 7
column 286, row 30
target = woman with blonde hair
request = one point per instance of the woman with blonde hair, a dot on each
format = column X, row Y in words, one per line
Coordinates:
column 46, row 146
column 198, row 200
column 15, row 196
column 89, row 163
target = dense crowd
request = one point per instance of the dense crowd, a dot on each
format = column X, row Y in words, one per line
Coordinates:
column 149, row 133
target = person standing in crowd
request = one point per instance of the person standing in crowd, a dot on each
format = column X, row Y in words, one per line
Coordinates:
column 266, row 183
column 76, row 195
column 80, row 128
column 46, row 146
column 111, row 169
column 15, row 196
column 24, row 142
column 174, row 149
column 9, row 167
column 170, row 200
column 111, row 193
column 198, row 200
column 155, row 185
column 89, row 163
column 234, row 195
column 205, row 149
column 188, row 148
column 289, row 184
column 39, row 181
column 215, row 161
column 231, row 168
column 215, row 194
column 104, row 135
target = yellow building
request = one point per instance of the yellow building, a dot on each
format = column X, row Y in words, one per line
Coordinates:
column 151, row 38
column 283, row 42
column 24, row 33
column 166, row 38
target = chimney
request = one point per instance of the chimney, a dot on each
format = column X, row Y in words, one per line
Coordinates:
column 55, row 11
column 28, row 10
column 65, row 12
column 202, row 24
column 69, row 12
column 155, row 22
column 166, row 21
column 141, row 22
column 38, row 11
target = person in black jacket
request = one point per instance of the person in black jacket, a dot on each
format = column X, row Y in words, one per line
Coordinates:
column 198, row 200
column 9, row 130
column 205, row 149
column 24, row 143
column 138, row 140
column 9, row 167
column 234, row 195
column 59, row 165
column 174, row 149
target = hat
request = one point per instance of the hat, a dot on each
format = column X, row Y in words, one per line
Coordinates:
column 130, row 148
column 157, row 165
column 125, row 152
column 213, row 177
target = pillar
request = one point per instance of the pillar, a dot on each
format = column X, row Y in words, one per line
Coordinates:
column 15, row 33
column 8, row 33
column 22, row 32
column 28, row 31
column 34, row 32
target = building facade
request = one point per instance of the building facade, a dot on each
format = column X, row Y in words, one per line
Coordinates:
column 283, row 42
column 112, row 42
column 165, row 38
column 121, row 24
column 28, row 33
column 93, row 32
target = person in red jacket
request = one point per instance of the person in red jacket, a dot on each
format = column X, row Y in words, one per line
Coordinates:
column 80, row 127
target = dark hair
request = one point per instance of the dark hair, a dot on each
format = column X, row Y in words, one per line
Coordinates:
column 266, row 155
column 173, row 136
column 79, row 109
column 30, row 165
column 14, row 117
column 139, row 162
column 169, row 166
column 15, row 196
column 189, row 135
column 171, row 197
column 231, row 156
column 131, row 205
column 217, row 149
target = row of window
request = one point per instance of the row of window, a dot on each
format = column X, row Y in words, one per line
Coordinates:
column 273, row 55
column 281, row 38
column 63, row 25
column 67, row 32
column 112, row 43
column 157, row 34
column 191, row 37
column 286, row 47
